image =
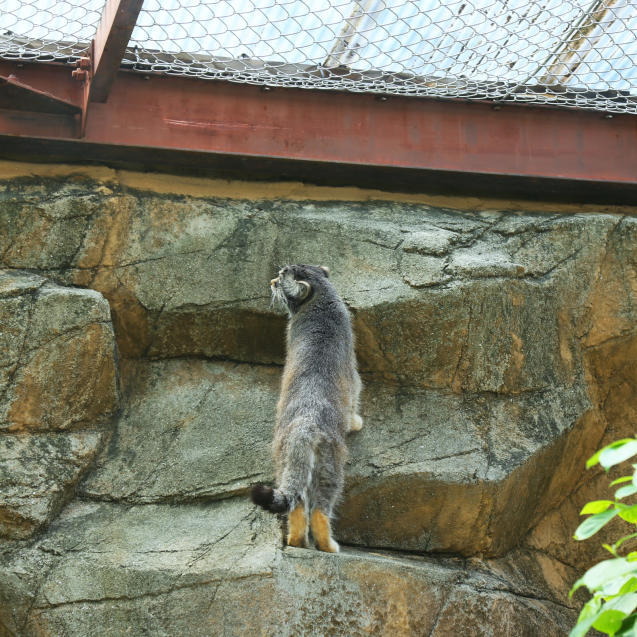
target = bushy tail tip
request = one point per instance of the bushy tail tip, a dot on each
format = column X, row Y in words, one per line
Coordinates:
column 268, row 498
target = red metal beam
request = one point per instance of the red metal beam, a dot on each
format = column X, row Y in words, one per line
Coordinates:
column 15, row 95
column 49, row 78
column 467, row 138
column 111, row 39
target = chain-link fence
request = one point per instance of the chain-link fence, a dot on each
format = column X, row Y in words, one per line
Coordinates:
column 577, row 53
column 47, row 30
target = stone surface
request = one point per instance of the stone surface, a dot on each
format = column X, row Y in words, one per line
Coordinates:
column 58, row 356
column 429, row 471
column 153, row 569
column 190, row 429
column 497, row 350
column 58, row 392
column 190, row 277
column 38, row 473
column 435, row 475
column 423, row 271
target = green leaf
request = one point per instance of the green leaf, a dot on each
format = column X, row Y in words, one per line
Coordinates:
column 620, row 480
column 624, row 603
column 610, row 618
column 594, row 459
column 609, row 621
column 623, row 492
column 614, row 587
column 596, row 506
column 628, row 513
column 613, row 582
column 628, row 628
column 624, row 539
column 629, row 586
column 586, row 618
column 618, row 452
column 604, row 572
column 594, row 523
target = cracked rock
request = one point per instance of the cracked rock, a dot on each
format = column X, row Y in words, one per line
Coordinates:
column 57, row 380
column 188, row 431
column 111, row 569
column 478, row 265
column 429, row 471
column 59, row 356
column 434, row 241
column 37, row 475
column 423, row 271
column 497, row 351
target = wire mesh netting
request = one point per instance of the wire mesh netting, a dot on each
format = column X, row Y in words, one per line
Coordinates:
column 47, row 30
column 578, row 53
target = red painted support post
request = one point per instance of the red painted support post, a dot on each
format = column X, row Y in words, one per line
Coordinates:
column 111, row 39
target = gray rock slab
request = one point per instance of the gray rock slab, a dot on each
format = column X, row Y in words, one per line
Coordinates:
column 434, row 241
column 443, row 298
column 43, row 221
column 440, row 472
column 151, row 569
column 57, row 352
column 473, row 264
column 58, row 393
column 38, row 473
column 429, row 471
column 423, row 271
column 189, row 429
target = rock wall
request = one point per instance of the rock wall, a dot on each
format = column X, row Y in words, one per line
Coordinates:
column 139, row 368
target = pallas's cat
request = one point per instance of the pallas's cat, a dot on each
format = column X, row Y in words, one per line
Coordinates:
column 318, row 406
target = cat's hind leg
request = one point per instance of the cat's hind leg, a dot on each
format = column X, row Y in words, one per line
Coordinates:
column 322, row 532
column 297, row 527
column 328, row 485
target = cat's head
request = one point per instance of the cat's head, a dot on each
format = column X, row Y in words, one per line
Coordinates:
column 297, row 284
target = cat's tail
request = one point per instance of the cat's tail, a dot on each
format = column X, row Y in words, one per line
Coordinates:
column 299, row 458
column 273, row 500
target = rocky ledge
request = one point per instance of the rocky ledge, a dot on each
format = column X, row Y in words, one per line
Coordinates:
column 219, row 569
column 139, row 366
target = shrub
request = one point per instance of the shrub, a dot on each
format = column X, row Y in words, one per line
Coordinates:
column 613, row 582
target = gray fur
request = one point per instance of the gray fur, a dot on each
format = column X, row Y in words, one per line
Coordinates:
column 319, row 392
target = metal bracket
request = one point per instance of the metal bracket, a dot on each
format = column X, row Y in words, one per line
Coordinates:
column 98, row 69
column 84, row 73
column 18, row 95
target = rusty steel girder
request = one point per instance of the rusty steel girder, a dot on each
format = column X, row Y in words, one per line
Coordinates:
column 324, row 128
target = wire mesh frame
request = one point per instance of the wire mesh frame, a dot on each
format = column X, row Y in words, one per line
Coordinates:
column 573, row 53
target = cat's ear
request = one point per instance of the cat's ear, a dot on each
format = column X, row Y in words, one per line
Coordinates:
column 304, row 290
column 326, row 270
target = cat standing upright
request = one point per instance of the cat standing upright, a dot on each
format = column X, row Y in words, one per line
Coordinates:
column 317, row 407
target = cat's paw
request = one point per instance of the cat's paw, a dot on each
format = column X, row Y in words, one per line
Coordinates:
column 356, row 423
column 330, row 547
column 299, row 542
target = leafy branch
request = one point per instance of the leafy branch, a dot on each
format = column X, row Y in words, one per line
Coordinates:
column 613, row 582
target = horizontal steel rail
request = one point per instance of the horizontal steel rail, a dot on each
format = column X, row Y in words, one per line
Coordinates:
column 342, row 129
